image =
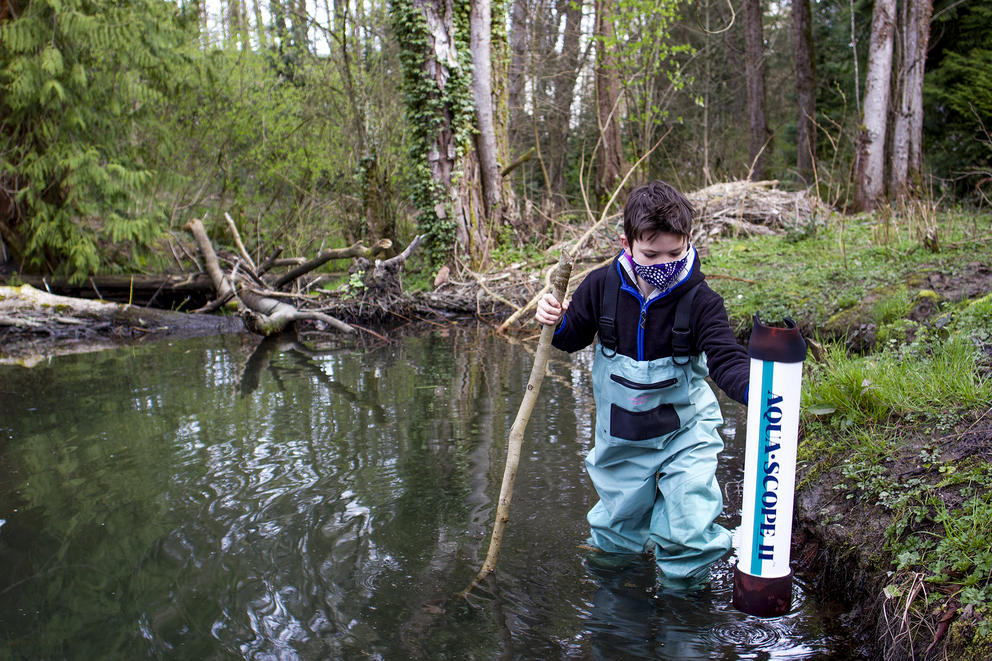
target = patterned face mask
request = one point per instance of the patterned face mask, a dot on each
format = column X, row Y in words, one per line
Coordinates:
column 662, row 276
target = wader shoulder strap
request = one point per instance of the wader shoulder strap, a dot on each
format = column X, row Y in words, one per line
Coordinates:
column 608, row 310
column 681, row 328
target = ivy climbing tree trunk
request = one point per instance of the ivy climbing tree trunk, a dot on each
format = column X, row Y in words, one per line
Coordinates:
column 434, row 37
column 869, row 185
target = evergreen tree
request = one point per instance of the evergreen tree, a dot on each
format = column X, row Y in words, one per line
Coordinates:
column 79, row 80
column 958, row 94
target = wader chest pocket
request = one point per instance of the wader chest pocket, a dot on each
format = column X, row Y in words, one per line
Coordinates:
column 627, row 383
column 642, row 425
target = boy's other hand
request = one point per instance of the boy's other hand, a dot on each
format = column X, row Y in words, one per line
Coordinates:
column 549, row 310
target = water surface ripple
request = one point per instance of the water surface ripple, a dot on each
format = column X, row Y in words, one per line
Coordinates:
column 221, row 499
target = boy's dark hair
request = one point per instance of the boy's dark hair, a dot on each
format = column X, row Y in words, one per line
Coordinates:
column 656, row 207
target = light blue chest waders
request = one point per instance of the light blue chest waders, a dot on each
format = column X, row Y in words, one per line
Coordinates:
column 654, row 460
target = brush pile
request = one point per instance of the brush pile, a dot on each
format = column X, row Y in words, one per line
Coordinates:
column 743, row 208
column 737, row 208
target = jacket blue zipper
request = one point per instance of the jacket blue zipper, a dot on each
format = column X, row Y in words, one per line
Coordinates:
column 642, row 320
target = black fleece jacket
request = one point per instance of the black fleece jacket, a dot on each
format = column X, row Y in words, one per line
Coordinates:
column 727, row 360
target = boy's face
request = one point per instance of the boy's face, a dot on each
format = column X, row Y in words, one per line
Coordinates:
column 658, row 248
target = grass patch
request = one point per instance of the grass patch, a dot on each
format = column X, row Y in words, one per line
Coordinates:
column 922, row 381
column 812, row 278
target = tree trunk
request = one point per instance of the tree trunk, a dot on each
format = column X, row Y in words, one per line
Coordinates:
column 920, row 16
column 759, row 145
column 907, row 134
column 443, row 150
column 245, row 33
column 437, row 86
column 298, row 23
column 260, row 26
column 482, row 90
column 501, row 108
column 802, row 29
column 609, row 155
column 899, row 160
column 869, row 175
column 707, row 86
column 559, row 122
column 166, row 291
column 517, row 78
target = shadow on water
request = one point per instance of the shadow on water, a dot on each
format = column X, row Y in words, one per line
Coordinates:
column 223, row 498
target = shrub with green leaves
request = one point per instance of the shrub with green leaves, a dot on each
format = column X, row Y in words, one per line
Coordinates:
column 77, row 77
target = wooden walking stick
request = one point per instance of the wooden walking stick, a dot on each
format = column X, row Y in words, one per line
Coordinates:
column 559, row 284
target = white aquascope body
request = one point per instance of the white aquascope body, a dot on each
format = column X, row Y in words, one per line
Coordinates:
column 763, row 578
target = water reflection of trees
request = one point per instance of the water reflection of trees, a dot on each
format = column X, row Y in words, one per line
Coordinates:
column 269, row 499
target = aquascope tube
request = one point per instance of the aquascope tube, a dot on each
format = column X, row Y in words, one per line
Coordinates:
column 762, row 578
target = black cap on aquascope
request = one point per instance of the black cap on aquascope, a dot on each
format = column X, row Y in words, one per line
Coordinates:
column 762, row 597
column 781, row 345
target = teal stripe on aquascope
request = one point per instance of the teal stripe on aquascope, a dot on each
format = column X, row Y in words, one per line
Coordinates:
column 767, row 374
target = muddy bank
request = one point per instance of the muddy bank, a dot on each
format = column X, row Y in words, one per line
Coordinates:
column 851, row 518
column 839, row 542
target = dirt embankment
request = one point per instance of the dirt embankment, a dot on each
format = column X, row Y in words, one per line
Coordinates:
column 841, row 530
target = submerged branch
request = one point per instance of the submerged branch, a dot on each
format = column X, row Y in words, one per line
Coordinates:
column 515, row 443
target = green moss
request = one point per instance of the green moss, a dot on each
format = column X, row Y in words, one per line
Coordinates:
column 968, row 640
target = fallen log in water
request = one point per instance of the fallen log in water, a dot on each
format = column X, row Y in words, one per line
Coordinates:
column 264, row 314
column 167, row 291
column 28, row 315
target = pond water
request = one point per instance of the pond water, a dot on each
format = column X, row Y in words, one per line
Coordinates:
column 220, row 499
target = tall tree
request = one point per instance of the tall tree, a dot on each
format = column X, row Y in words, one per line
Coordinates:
column 922, row 17
column 259, row 25
column 802, row 31
column 517, row 75
column 565, row 68
column 434, row 42
column 482, row 91
column 759, row 144
column 547, row 58
column 907, row 132
column 609, row 155
column 869, row 182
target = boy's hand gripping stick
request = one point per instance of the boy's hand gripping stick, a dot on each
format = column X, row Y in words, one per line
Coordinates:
column 762, row 578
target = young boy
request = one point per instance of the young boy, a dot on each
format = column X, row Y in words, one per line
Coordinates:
column 662, row 330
